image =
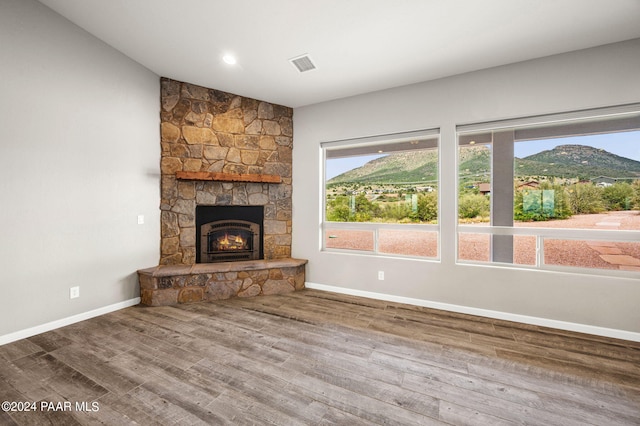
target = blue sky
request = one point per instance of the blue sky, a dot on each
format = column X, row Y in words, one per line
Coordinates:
column 624, row 144
column 338, row 166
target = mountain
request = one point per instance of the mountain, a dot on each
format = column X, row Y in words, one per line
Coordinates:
column 475, row 162
column 401, row 167
column 580, row 161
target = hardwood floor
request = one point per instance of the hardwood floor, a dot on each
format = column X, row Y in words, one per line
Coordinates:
column 317, row 358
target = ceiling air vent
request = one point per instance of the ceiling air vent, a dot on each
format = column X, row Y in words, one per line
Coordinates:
column 303, row 63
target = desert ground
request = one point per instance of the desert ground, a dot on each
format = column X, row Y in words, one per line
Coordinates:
column 590, row 254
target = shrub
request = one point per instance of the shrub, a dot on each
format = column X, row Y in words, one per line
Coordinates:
column 396, row 211
column 338, row 209
column 636, row 187
column 345, row 209
column 427, row 206
column 473, row 205
column 618, row 196
column 585, row 198
column 562, row 208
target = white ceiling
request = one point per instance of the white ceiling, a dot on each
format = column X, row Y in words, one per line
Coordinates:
column 358, row 46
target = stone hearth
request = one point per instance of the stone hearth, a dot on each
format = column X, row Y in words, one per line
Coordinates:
column 172, row 284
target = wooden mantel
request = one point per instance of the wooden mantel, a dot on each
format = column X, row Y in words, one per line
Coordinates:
column 228, row 177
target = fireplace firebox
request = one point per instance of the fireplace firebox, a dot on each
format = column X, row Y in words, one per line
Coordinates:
column 228, row 233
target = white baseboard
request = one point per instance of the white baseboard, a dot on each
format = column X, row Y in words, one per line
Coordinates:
column 544, row 322
column 23, row 334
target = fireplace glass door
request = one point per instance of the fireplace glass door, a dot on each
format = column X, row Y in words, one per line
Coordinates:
column 229, row 240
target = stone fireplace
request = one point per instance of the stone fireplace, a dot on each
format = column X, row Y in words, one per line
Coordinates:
column 231, row 154
column 214, row 133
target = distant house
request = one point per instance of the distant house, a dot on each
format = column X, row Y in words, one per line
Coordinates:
column 604, row 181
column 424, row 189
column 484, row 188
column 532, row 184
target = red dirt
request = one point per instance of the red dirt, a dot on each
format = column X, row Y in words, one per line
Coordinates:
column 476, row 246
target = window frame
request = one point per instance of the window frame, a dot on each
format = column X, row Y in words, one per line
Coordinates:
column 391, row 143
column 577, row 123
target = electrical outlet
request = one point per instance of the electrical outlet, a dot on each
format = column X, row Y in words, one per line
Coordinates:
column 140, row 219
column 381, row 275
column 74, row 292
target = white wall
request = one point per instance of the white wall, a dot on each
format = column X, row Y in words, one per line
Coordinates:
column 604, row 76
column 79, row 161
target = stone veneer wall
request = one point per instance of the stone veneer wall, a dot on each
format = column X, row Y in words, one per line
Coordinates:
column 208, row 130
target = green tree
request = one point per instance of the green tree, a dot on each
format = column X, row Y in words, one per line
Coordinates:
column 427, row 206
column 518, row 206
column 338, row 209
column 365, row 209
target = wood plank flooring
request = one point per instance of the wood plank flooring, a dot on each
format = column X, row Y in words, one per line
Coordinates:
column 317, row 358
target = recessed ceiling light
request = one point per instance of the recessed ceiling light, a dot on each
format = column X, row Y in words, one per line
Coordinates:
column 229, row 59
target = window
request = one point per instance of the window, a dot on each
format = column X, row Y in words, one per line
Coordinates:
column 381, row 195
column 552, row 192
